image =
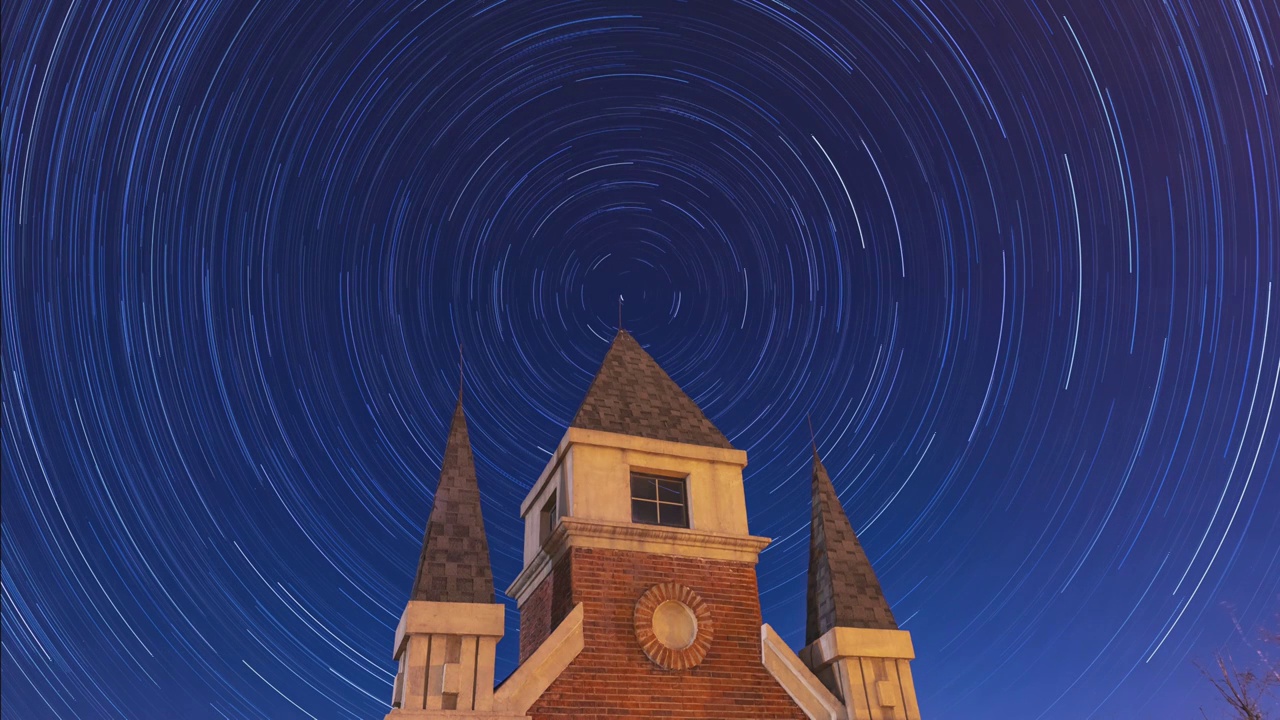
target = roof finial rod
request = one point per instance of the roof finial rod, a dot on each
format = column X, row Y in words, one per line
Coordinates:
column 461, row 371
column 619, row 313
column 813, row 439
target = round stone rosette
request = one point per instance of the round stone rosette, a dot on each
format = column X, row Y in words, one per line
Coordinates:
column 673, row 626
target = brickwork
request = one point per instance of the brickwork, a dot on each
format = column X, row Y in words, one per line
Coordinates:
column 613, row 678
column 546, row 607
column 535, row 619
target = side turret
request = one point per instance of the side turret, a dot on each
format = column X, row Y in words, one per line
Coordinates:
column 447, row 638
column 853, row 642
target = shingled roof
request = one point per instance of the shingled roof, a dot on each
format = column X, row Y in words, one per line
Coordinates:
column 633, row 395
column 454, row 565
column 843, row 589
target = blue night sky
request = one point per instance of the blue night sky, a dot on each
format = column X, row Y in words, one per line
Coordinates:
column 1018, row 260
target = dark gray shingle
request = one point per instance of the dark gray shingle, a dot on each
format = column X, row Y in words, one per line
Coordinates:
column 843, row 589
column 454, row 565
column 633, row 395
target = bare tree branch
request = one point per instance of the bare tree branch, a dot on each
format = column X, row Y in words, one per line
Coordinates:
column 1246, row 690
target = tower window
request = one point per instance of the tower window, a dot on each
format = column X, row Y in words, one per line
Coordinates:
column 657, row 500
column 547, row 519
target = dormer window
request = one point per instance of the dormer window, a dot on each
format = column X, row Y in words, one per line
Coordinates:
column 657, row 500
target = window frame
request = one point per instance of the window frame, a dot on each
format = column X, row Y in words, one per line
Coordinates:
column 657, row 502
column 548, row 518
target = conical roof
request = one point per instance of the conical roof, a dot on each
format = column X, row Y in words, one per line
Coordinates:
column 454, row 565
column 843, row 589
column 633, row 395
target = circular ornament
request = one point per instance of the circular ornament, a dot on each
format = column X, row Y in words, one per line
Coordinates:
column 673, row 626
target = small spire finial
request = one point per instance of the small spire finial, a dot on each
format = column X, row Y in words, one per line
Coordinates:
column 813, row 439
column 461, row 371
column 619, row 313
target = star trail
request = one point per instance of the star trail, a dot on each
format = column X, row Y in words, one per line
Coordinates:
column 1017, row 260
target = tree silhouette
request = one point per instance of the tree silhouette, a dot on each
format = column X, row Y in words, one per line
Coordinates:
column 1249, row 692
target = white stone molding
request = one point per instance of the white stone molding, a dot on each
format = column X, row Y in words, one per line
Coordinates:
column 797, row 680
column 654, row 539
column 446, row 652
column 869, row 669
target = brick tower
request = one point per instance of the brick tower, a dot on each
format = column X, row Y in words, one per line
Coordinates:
column 640, row 517
column 638, row 595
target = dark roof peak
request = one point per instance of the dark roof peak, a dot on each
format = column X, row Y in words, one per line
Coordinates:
column 454, row 565
column 632, row 395
column 843, row 589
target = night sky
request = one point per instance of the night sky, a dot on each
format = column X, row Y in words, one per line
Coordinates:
column 1019, row 262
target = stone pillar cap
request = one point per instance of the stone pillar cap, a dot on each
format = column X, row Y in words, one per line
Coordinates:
column 422, row 617
column 845, row 642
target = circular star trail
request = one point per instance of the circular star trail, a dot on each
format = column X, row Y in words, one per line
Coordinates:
column 1018, row 262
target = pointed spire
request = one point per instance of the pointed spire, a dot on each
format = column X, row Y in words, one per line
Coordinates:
column 454, row 565
column 843, row 589
column 632, row 395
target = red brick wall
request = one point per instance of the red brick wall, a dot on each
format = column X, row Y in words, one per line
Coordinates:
column 546, row 607
column 535, row 619
column 613, row 678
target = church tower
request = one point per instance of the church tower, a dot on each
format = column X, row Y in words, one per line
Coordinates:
column 446, row 641
column 853, row 642
column 640, row 519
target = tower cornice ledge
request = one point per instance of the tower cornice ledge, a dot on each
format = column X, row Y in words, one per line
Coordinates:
column 573, row 532
column 453, row 715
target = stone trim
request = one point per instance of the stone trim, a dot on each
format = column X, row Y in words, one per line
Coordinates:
column 449, row 618
column 557, row 459
column 659, row 540
column 844, row 642
column 660, row 654
column 801, row 684
column 534, row 573
column 655, row 539
column 451, row 715
column 523, row 687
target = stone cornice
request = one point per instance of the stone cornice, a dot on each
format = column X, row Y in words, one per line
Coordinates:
column 530, row 577
column 634, row 537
